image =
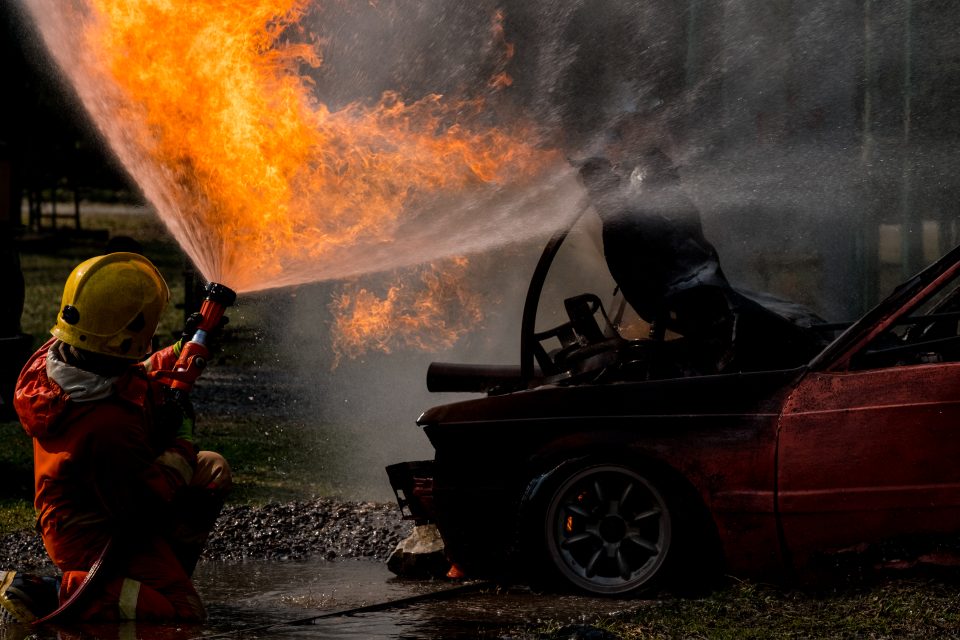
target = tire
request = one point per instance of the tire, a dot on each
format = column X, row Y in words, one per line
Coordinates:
column 609, row 529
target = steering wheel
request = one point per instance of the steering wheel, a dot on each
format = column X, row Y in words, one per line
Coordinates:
column 581, row 338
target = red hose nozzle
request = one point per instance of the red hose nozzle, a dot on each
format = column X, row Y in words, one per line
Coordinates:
column 195, row 352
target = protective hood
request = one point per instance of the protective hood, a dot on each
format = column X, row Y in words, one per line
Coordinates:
column 45, row 387
column 79, row 385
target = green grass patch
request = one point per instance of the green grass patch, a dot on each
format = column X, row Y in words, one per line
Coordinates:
column 15, row 515
column 276, row 461
column 16, row 462
column 896, row 608
column 279, row 461
column 16, row 478
column 46, row 265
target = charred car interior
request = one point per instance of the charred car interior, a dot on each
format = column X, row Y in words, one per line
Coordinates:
column 622, row 453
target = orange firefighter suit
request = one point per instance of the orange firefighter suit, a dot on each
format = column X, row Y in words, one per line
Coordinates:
column 109, row 467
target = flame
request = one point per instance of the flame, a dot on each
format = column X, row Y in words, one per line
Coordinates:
column 500, row 78
column 263, row 184
column 432, row 314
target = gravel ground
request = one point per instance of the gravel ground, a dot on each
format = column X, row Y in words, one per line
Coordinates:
column 299, row 530
column 325, row 528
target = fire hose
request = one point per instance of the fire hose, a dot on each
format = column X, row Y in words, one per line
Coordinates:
column 191, row 362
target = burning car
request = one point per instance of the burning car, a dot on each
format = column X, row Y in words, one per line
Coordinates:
column 608, row 460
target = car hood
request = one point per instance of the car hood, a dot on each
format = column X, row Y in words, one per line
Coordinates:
column 746, row 393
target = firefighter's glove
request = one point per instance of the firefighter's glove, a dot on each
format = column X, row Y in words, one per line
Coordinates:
column 177, row 415
column 190, row 327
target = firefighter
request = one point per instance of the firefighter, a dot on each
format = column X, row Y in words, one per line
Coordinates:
column 124, row 500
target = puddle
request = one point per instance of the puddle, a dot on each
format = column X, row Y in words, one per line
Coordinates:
column 244, row 599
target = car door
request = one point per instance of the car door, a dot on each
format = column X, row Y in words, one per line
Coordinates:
column 869, row 447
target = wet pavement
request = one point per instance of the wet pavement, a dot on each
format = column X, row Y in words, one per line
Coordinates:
column 253, row 600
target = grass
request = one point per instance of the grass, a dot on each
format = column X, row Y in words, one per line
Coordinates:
column 271, row 462
column 16, row 478
column 895, row 608
column 47, row 264
column 278, row 461
column 15, row 515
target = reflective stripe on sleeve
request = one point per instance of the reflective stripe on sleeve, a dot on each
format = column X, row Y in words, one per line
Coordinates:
column 129, row 593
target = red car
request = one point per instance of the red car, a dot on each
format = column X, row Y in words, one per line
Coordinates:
column 609, row 461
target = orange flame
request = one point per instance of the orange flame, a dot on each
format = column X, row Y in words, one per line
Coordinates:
column 500, row 78
column 432, row 314
column 259, row 180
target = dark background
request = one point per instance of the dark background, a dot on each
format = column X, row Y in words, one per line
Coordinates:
column 51, row 158
column 44, row 135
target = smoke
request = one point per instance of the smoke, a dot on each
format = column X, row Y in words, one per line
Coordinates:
column 797, row 127
column 375, row 399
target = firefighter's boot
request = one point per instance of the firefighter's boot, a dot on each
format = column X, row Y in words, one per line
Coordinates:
column 25, row 598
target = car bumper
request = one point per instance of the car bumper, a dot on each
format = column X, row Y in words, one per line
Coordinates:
column 412, row 484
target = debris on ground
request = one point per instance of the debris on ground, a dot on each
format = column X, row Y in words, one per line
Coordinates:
column 420, row 555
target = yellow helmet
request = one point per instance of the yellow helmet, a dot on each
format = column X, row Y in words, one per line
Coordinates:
column 111, row 305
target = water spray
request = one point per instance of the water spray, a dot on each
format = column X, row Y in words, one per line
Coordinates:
column 195, row 352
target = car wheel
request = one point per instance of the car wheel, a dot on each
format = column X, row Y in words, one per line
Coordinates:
column 608, row 529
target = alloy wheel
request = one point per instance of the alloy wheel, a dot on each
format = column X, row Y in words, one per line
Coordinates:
column 608, row 529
